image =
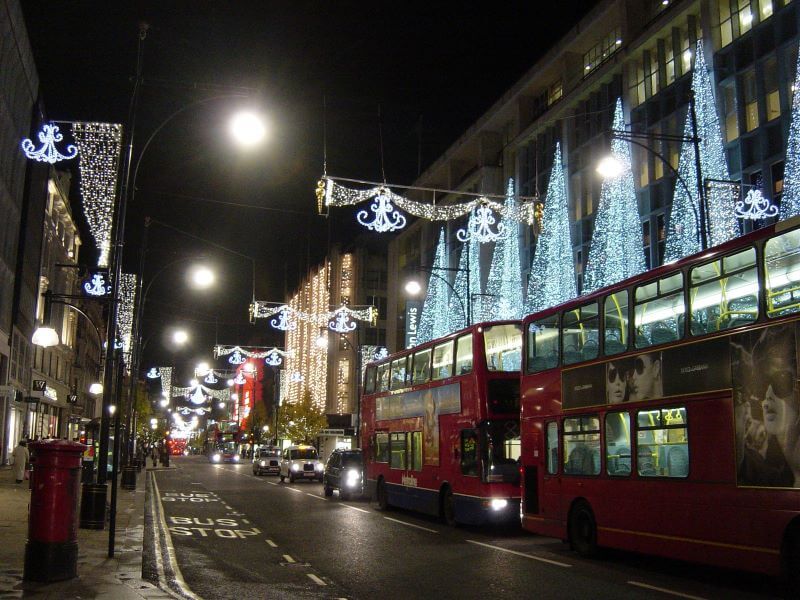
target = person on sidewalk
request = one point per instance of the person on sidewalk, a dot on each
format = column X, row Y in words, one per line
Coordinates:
column 154, row 456
column 21, row 459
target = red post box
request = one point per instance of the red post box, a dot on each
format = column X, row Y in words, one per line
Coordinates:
column 51, row 552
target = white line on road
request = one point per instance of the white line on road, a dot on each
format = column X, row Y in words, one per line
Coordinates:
column 288, row 558
column 410, row 525
column 271, row 482
column 664, row 590
column 531, row 556
column 315, row 495
column 356, row 508
column 272, row 544
column 316, row 579
column 295, row 490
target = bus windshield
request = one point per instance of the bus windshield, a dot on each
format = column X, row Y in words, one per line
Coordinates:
column 503, row 346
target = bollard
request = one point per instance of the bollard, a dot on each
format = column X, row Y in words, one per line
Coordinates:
column 51, row 552
column 129, row 478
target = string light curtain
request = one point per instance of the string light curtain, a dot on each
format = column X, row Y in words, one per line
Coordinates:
column 127, row 294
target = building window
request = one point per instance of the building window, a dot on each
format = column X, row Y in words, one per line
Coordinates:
column 777, row 181
column 601, row 51
column 750, row 96
column 554, row 93
column 771, row 94
column 638, row 89
column 729, row 109
column 670, row 66
column 765, row 9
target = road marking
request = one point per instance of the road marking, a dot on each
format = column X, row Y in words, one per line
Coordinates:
column 315, row 495
column 272, row 544
column 664, row 590
column 288, row 558
column 228, row 507
column 410, row 524
column 196, row 483
column 295, row 490
column 356, row 508
column 316, row 579
column 271, row 482
column 531, row 556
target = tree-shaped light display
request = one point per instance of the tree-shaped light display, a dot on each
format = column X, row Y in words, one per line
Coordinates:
column 683, row 228
column 616, row 249
column 433, row 321
column 504, row 287
column 474, row 295
column 552, row 278
column 457, row 308
column 790, row 202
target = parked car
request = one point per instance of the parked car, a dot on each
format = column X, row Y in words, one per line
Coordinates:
column 267, row 460
column 300, row 462
column 344, row 471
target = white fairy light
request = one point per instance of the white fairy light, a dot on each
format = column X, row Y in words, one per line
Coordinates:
column 755, row 206
column 48, row 153
column 166, row 381
column 153, row 373
column 98, row 286
column 127, row 293
column 479, row 228
column 386, row 217
column 99, row 146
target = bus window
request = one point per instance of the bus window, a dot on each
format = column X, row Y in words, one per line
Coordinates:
column 503, row 346
column 500, row 451
column 421, row 371
column 397, row 451
column 724, row 293
column 443, row 360
column 582, row 445
column 415, row 450
column 659, row 311
column 662, row 442
column 618, row 443
column 381, row 446
column 369, row 384
column 464, row 354
column 552, row 448
column 615, row 327
column 580, row 333
column 543, row 344
column 383, row 377
column 782, row 269
column 399, row 373
column 469, row 452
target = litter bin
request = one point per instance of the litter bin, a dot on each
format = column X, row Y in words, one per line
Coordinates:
column 51, row 552
column 129, row 478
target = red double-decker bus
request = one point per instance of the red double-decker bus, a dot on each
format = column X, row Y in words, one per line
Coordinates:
column 661, row 415
column 440, row 426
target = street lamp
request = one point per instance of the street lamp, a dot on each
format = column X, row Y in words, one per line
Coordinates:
column 96, row 389
column 202, row 277
column 248, row 128
column 413, row 287
column 180, row 337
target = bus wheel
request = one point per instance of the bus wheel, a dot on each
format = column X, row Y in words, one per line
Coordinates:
column 583, row 530
column 448, row 513
column 383, row 497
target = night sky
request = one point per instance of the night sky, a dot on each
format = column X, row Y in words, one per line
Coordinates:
column 414, row 74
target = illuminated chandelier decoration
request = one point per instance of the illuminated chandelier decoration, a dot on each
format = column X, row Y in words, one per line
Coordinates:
column 98, row 286
column 387, row 217
column 755, row 206
column 153, row 373
column 296, row 377
column 185, row 411
column 198, row 397
column 236, row 358
column 210, row 378
column 479, row 227
column 200, row 394
column 239, row 379
column 127, row 293
column 284, row 322
column 273, row 357
column 261, row 309
column 48, row 153
column 342, row 319
column 99, row 146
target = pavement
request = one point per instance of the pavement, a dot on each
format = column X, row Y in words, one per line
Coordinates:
column 99, row 577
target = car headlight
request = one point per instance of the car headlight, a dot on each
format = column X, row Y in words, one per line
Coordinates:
column 319, row 467
column 295, row 467
column 236, row 457
column 498, row 503
column 263, row 463
column 216, row 458
column 352, row 478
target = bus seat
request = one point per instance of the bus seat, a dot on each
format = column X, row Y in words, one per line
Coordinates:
column 678, row 461
column 644, row 461
column 581, row 461
column 589, row 350
column 552, row 360
column 662, row 335
column 642, row 341
column 614, row 347
column 572, row 356
column 539, row 363
column 624, row 461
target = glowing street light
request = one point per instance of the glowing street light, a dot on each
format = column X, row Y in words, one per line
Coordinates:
column 248, row 129
column 413, row 287
column 180, row 337
column 609, row 168
column 96, row 389
column 203, row 277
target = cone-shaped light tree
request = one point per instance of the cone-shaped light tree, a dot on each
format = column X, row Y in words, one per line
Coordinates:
column 616, row 249
column 433, row 321
column 552, row 277
column 790, row 202
column 504, row 286
column 458, row 311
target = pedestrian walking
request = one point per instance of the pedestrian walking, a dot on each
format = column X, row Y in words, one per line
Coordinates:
column 154, row 456
column 21, row 459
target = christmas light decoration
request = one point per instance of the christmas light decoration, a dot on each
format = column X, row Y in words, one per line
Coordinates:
column 99, row 147
column 504, row 286
column 790, row 201
column 198, row 397
column 284, row 322
column 474, row 296
column 153, row 373
column 433, row 321
column 239, row 379
column 296, row 377
column 755, row 206
column 552, row 274
column 458, row 303
column 48, row 153
column 683, row 227
column 273, row 358
column 127, row 293
column 97, row 286
column 480, row 228
column 333, row 318
column 386, row 218
column 210, row 377
column 329, row 193
column 166, row 381
column 616, row 248
column 236, row 358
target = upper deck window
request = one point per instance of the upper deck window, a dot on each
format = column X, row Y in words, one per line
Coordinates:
column 580, row 328
column 659, row 311
column 543, row 344
column 399, row 373
column 724, row 293
column 503, row 345
column 372, row 376
column 782, row 273
column 443, row 360
column 383, row 377
column 615, row 329
column 464, row 354
column 421, row 371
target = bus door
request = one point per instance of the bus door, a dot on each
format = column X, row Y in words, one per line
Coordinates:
column 549, row 506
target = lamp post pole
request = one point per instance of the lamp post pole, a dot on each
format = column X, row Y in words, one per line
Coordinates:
column 466, row 308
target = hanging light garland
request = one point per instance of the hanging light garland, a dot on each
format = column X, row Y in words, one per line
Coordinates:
column 127, row 293
column 99, row 146
column 210, row 378
column 166, row 381
column 385, row 217
column 48, row 153
column 339, row 319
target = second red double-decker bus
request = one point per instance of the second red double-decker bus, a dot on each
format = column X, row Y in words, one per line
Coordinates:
column 662, row 414
column 440, row 426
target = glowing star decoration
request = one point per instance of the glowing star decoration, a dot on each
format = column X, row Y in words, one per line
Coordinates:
column 48, row 153
column 273, row 358
column 210, row 378
column 755, row 206
column 296, row 377
column 99, row 146
column 236, row 358
column 284, row 322
column 480, row 228
column 98, row 286
column 386, row 217
column 153, row 373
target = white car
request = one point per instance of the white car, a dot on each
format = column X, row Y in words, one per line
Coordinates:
column 301, row 462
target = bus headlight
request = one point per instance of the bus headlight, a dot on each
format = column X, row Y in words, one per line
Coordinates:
column 498, row 503
column 216, row 458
